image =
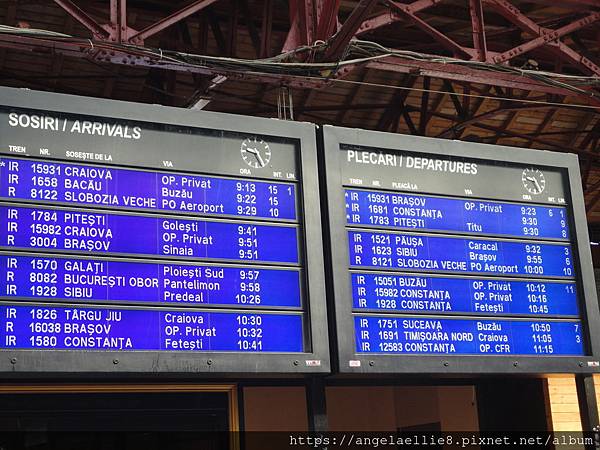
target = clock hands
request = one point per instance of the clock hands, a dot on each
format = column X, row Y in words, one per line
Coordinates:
column 256, row 153
column 260, row 151
column 535, row 181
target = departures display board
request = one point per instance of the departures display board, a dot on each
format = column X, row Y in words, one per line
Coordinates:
column 453, row 257
column 150, row 239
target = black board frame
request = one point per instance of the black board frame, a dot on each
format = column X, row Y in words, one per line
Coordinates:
column 351, row 362
column 16, row 363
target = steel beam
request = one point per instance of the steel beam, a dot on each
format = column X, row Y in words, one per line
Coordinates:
column 266, row 30
column 584, row 4
column 446, row 42
column 548, row 118
column 252, row 31
column 308, row 20
column 466, row 100
column 181, row 14
column 86, row 49
column 547, row 36
column 327, row 18
column 423, row 116
column 119, row 31
column 233, row 28
column 217, row 32
column 514, row 15
column 476, row 13
column 571, row 56
column 302, row 24
column 202, row 34
column 338, row 43
column 506, row 124
column 114, row 12
column 478, row 104
column 462, row 73
column 292, row 40
column 409, row 122
column 397, row 104
column 388, row 18
column 123, row 29
column 447, row 86
column 82, row 17
column 349, row 100
column 494, row 112
column 122, row 57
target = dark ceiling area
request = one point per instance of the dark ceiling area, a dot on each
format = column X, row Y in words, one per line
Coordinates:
column 517, row 73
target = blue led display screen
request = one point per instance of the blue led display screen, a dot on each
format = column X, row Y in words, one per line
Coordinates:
column 81, row 231
column 410, row 335
column 69, row 328
column 455, row 254
column 85, row 280
column 418, row 212
column 123, row 188
column 427, row 294
column 197, row 249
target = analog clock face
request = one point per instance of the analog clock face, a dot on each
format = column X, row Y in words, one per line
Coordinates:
column 255, row 152
column 533, row 181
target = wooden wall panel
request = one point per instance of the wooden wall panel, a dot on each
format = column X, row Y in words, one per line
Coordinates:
column 564, row 407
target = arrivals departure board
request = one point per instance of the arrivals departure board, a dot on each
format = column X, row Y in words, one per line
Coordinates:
column 150, row 239
column 457, row 257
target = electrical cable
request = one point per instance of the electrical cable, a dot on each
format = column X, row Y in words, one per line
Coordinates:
column 357, row 52
column 457, row 94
